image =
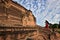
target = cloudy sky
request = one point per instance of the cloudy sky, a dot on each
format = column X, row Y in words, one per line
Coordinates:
column 43, row 10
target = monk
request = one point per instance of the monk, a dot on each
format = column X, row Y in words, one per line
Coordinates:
column 46, row 24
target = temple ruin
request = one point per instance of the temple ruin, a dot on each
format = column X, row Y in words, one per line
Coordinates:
column 13, row 14
column 18, row 23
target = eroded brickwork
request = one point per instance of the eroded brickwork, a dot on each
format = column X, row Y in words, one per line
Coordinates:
column 18, row 23
column 15, row 14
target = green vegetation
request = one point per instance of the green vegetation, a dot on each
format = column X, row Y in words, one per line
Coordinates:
column 54, row 26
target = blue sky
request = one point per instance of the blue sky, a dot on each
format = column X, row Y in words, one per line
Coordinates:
column 43, row 10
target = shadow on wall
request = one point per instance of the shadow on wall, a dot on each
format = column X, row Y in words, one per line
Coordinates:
column 29, row 39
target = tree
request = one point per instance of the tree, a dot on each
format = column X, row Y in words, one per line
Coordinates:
column 53, row 25
column 59, row 25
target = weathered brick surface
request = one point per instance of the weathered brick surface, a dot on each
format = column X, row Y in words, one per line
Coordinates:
column 13, row 14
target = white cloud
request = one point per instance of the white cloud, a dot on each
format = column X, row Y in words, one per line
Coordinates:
column 50, row 11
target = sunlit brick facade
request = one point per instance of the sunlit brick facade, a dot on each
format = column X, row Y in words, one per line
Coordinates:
column 13, row 14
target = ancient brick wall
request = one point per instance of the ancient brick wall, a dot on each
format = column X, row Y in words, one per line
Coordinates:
column 13, row 14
